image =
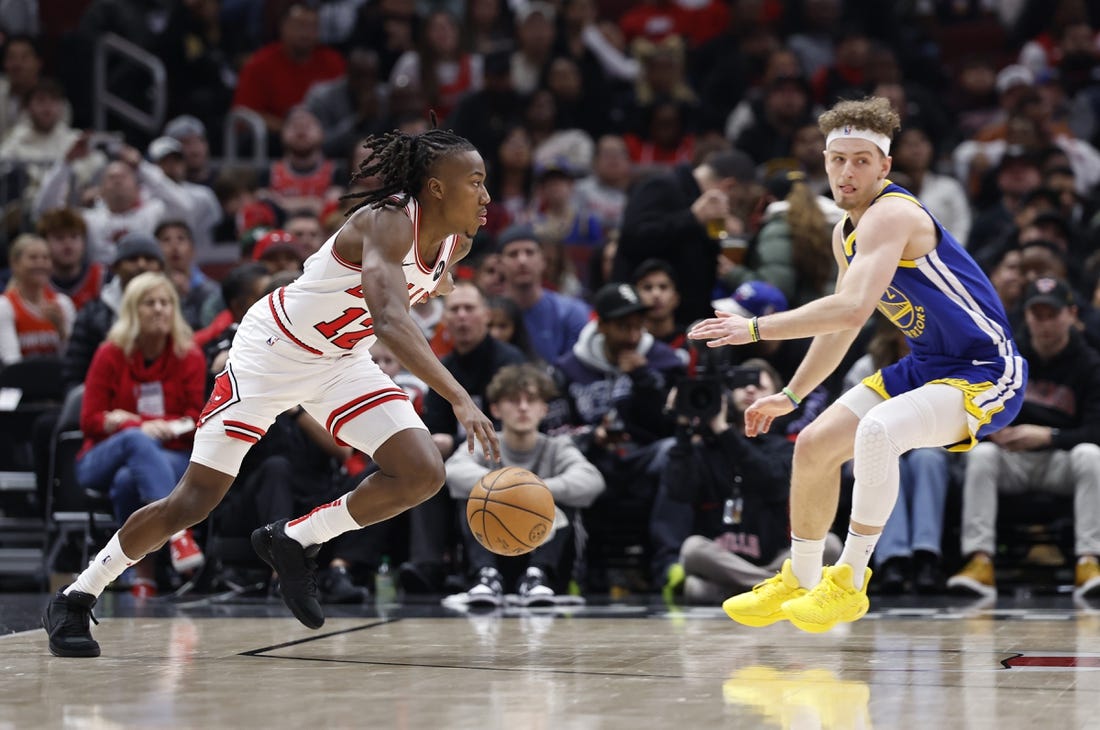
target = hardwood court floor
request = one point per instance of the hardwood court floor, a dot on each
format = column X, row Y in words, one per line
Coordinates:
column 1030, row 665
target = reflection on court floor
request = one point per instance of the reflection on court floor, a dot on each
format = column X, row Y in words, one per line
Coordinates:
column 591, row 667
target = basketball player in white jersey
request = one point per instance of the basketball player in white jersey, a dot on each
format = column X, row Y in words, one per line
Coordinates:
column 307, row 344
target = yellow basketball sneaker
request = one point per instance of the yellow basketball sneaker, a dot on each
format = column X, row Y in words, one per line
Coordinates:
column 762, row 606
column 831, row 601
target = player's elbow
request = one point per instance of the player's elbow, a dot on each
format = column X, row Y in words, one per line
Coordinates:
column 386, row 323
column 852, row 314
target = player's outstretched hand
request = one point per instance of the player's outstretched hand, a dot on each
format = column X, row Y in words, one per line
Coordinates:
column 722, row 329
column 477, row 426
column 759, row 416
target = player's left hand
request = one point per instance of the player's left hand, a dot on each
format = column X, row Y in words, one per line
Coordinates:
column 478, row 426
column 759, row 416
column 722, row 329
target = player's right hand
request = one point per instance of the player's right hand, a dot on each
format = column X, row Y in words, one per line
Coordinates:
column 759, row 416
column 478, row 426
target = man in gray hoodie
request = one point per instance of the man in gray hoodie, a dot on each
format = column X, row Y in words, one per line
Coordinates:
column 518, row 396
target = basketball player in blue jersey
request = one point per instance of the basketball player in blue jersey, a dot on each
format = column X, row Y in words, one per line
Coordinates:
column 307, row 344
column 962, row 380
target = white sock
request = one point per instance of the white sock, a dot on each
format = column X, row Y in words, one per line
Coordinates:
column 807, row 557
column 104, row 568
column 857, row 553
column 323, row 523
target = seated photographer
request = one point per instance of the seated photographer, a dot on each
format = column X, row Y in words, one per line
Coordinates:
column 723, row 498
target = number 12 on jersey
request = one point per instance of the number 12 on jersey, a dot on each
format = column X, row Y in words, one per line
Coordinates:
column 336, row 332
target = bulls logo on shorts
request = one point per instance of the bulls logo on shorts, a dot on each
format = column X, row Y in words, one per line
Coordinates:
column 225, row 394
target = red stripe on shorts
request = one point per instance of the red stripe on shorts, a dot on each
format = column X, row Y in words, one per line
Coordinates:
column 340, row 416
column 242, row 431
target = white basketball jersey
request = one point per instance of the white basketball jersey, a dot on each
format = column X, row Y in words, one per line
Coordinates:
column 323, row 311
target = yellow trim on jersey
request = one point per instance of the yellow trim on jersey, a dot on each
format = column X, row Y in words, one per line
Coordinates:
column 977, row 416
column 875, row 383
column 903, row 196
column 849, row 243
column 850, row 240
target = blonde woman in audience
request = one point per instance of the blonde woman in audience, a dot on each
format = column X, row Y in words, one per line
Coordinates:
column 144, row 391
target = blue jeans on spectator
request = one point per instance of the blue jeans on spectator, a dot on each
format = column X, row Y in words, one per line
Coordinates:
column 133, row 468
column 917, row 520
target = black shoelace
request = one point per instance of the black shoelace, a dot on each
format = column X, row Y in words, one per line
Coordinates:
column 76, row 618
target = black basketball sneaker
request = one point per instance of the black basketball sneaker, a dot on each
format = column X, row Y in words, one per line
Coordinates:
column 66, row 622
column 296, row 568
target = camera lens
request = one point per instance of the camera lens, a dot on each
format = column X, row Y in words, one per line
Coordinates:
column 700, row 399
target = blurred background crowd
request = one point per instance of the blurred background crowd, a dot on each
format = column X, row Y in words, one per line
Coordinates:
column 648, row 162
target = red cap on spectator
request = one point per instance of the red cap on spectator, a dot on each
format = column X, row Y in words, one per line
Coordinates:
column 273, row 242
column 255, row 214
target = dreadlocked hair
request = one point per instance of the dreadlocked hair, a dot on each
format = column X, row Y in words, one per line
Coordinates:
column 402, row 162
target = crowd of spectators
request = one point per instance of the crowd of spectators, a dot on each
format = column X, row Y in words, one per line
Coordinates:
column 648, row 162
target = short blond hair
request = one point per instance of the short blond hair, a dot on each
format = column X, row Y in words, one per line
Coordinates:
column 874, row 113
column 21, row 244
column 127, row 327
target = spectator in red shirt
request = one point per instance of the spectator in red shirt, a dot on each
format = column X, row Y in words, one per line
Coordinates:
column 276, row 77
column 302, row 179
column 142, row 396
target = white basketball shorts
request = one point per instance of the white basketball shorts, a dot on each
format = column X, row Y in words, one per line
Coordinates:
column 266, row 374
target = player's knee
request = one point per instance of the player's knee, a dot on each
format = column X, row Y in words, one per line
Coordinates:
column 816, row 447
column 424, row 479
column 872, row 434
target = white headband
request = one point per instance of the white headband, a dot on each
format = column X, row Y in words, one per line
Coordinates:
column 878, row 140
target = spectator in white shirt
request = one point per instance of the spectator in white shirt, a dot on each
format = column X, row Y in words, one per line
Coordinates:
column 133, row 196
column 41, row 137
column 206, row 211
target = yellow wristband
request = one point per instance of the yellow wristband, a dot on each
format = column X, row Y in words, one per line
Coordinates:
column 754, row 330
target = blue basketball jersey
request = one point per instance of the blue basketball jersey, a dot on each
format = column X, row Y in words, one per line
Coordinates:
column 956, row 327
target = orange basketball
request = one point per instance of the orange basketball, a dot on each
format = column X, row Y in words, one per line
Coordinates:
column 510, row 511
